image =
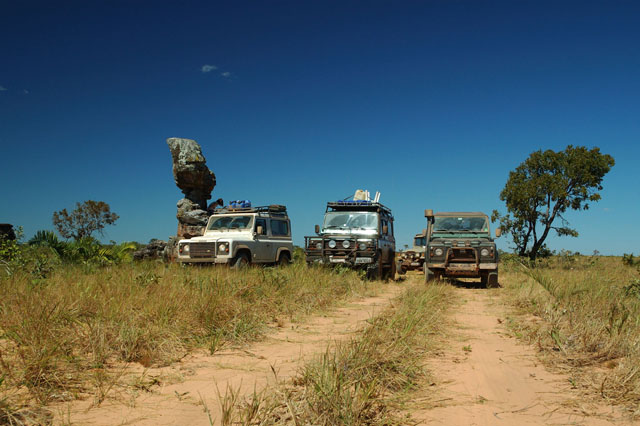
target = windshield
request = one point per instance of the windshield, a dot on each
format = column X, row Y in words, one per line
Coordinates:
column 420, row 241
column 350, row 220
column 457, row 224
column 226, row 223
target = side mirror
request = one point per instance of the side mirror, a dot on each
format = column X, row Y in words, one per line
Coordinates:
column 317, row 229
column 385, row 229
column 259, row 229
column 498, row 232
column 428, row 213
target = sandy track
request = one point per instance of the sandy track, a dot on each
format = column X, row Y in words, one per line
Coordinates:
column 244, row 369
column 485, row 377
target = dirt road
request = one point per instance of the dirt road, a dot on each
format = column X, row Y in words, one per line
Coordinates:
column 189, row 386
column 485, row 377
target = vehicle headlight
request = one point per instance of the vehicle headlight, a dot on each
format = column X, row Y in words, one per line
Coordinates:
column 438, row 252
column 184, row 248
column 346, row 244
column 362, row 246
column 319, row 245
column 332, row 244
column 223, row 247
column 484, row 252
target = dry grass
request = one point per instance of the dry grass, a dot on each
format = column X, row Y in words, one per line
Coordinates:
column 586, row 319
column 359, row 382
column 70, row 333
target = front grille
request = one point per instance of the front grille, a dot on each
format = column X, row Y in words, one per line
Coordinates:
column 202, row 250
column 462, row 254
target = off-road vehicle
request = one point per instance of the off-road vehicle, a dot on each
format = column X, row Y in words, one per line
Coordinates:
column 460, row 245
column 413, row 258
column 240, row 235
column 357, row 234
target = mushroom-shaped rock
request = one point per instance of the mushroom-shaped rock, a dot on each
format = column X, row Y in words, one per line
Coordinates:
column 190, row 171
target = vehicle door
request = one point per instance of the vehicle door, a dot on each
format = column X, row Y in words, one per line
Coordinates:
column 387, row 240
column 263, row 246
column 281, row 235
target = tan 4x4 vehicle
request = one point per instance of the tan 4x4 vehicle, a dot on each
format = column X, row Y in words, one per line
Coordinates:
column 413, row 258
column 459, row 244
column 242, row 236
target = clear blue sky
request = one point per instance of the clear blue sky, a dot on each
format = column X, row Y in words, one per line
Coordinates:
column 430, row 102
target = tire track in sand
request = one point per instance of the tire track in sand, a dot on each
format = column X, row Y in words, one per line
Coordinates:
column 483, row 376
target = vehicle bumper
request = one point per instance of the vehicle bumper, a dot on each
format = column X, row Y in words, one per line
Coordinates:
column 463, row 269
column 342, row 260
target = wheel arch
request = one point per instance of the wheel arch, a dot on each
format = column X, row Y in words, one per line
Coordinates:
column 242, row 248
column 283, row 250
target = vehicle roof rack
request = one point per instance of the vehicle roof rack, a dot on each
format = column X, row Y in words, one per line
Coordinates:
column 362, row 205
column 275, row 209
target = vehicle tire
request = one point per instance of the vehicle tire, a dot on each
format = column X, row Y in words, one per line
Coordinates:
column 429, row 275
column 284, row 259
column 376, row 271
column 401, row 269
column 492, row 280
column 483, row 279
column 393, row 266
column 241, row 261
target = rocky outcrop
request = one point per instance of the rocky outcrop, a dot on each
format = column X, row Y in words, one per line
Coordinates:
column 190, row 171
column 154, row 250
column 196, row 182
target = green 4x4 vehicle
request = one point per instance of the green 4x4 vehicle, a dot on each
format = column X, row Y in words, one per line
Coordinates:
column 460, row 245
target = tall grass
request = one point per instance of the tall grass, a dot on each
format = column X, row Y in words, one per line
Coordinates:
column 589, row 311
column 361, row 381
column 61, row 333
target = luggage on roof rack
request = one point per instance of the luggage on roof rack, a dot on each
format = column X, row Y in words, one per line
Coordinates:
column 276, row 209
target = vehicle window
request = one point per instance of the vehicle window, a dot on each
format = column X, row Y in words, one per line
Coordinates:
column 386, row 222
column 279, row 228
column 225, row 223
column 474, row 224
column 263, row 223
column 350, row 220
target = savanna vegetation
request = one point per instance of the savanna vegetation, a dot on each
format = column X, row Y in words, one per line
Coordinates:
column 583, row 313
column 541, row 189
column 72, row 313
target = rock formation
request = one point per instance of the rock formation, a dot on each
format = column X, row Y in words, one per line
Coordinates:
column 196, row 182
column 154, row 250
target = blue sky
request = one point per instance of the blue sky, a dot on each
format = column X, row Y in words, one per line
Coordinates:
column 430, row 102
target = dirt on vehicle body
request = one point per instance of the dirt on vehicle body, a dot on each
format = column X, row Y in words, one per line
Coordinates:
column 357, row 234
column 459, row 244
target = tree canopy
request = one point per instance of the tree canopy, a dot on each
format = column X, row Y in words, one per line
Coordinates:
column 541, row 189
column 87, row 218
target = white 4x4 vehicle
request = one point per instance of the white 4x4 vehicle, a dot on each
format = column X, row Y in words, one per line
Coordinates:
column 241, row 236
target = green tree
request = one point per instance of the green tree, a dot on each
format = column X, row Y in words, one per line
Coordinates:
column 541, row 189
column 87, row 218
